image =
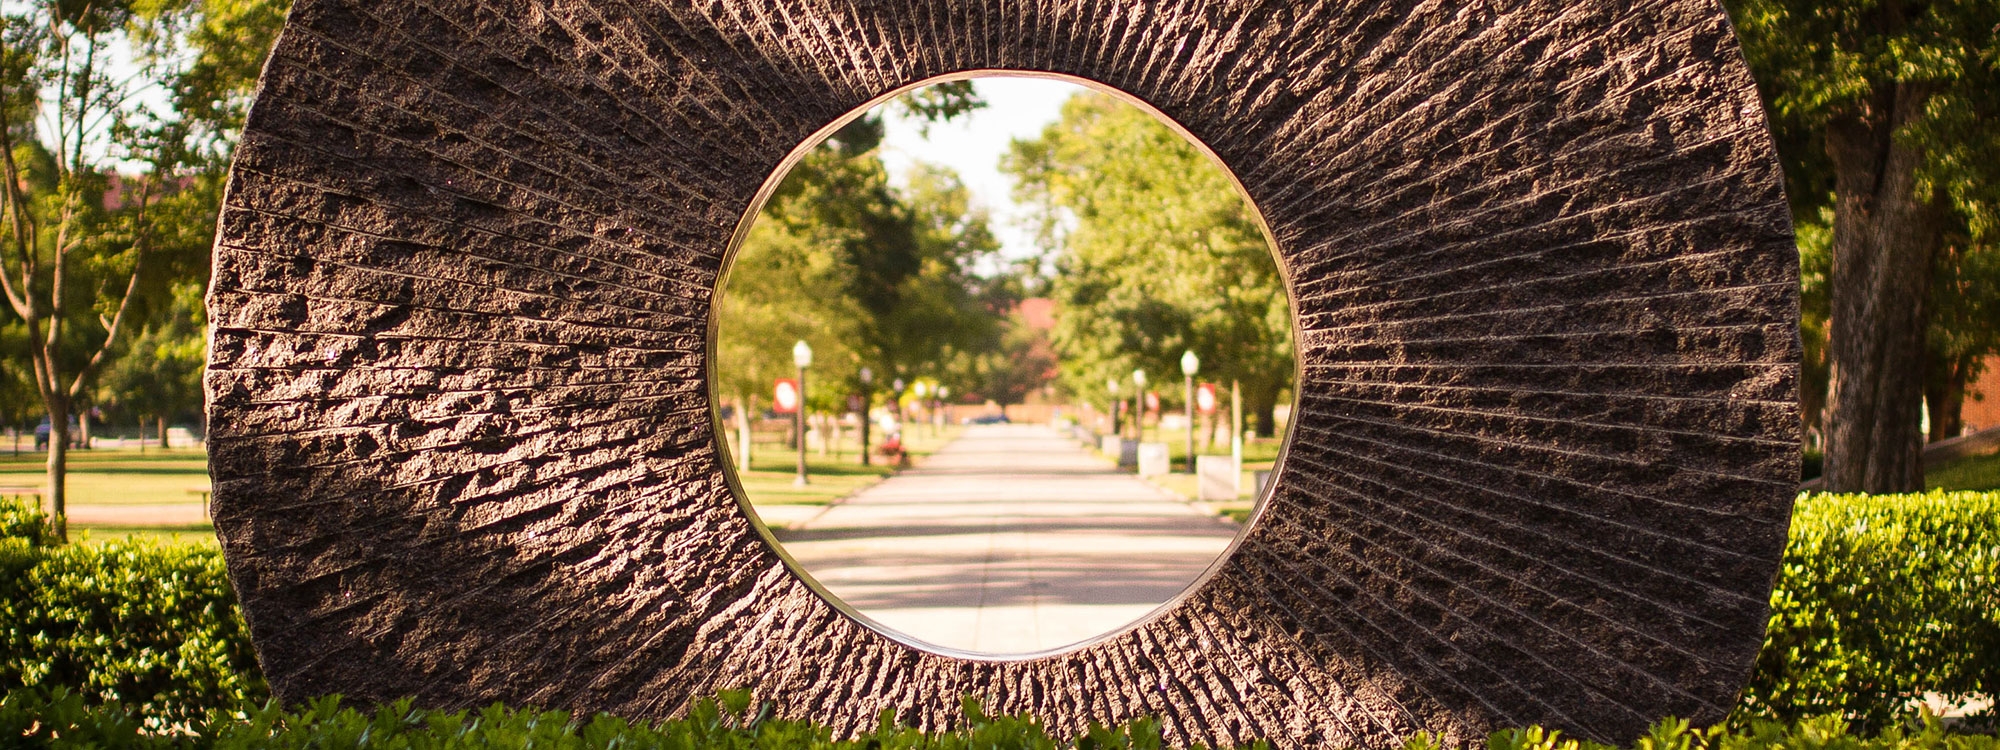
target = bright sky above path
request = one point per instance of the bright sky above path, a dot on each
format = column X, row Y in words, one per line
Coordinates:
column 973, row 143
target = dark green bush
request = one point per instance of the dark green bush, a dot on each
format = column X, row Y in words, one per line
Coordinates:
column 1882, row 599
column 153, row 627
column 36, row 719
column 24, row 521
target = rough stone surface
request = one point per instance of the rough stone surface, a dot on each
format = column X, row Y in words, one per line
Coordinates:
column 1545, row 446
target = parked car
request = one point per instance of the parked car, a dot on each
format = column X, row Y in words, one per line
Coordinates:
column 1000, row 418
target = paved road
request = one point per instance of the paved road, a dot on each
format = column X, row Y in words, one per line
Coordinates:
column 1009, row 540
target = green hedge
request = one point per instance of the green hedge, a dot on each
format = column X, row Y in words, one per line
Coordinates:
column 34, row 719
column 1881, row 600
column 150, row 626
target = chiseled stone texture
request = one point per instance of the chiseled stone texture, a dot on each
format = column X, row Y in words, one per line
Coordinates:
column 1545, row 446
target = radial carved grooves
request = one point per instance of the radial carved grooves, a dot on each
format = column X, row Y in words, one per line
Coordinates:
column 1545, row 437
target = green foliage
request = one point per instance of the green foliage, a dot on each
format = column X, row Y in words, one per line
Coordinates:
column 1156, row 252
column 151, row 627
column 159, row 375
column 24, row 523
column 1829, row 69
column 1880, row 600
column 1818, row 61
column 1817, row 733
column 1976, row 473
column 108, row 200
column 37, row 720
column 867, row 274
column 60, row 719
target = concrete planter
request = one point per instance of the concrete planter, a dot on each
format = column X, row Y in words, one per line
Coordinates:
column 1154, row 459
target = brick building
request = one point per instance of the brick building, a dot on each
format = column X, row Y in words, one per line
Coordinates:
column 1982, row 399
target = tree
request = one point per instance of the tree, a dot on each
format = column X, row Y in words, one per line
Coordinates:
column 866, row 274
column 109, row 199
column 68, row 254
column 1884, row 110
column 1156, row 252
column 1022, row 362
column 159, row 375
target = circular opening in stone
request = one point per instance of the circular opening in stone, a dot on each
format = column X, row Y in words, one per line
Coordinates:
column 958, row 349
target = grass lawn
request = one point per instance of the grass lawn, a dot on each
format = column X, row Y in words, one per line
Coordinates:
column 836, row 475
column 106, row 477
column 1258, row 455
column 1975, row 473
column 125, row 476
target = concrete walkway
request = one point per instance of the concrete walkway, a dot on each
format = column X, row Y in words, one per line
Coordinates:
column 1009, row 540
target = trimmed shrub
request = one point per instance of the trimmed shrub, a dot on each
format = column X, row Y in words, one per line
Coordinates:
column 1881, row 600
column 34, row 719
column 24, row 521
column 153, row 627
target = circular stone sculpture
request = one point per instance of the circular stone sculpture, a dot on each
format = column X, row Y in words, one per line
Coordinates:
column 1544, row 449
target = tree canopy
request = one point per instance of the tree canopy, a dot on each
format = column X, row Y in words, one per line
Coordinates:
column 867, row 274
column 1884, row 113
column 1155, row 252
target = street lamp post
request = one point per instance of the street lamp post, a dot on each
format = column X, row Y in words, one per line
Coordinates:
column 1139, row 405
column 1190, row 364
column 867, row 400
column 1117, row 428
column 802, row 356
column 923, row 399
column 942, row 393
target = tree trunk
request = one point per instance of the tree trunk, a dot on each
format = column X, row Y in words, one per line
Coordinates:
column 83, row 428
column 1885, row 238
column 58, row 466
column 163, row 433
column 1264, row 411
column 1945, row 395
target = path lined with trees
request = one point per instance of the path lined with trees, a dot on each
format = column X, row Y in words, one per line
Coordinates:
column 1012, row 539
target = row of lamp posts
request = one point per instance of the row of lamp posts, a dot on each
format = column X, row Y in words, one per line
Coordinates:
column 1190, row 364
column 802, row 356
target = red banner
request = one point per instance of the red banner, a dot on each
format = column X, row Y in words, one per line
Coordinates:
column 1204, row 398
column 785, row 397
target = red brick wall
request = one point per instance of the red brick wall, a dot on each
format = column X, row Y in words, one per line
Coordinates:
column 1980, row 414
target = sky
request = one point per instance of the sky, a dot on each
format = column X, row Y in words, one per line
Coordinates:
column 972, row 145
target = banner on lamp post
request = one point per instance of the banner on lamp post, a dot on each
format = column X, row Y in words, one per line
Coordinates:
column 1204, row 398
column 1152, row 401
column 785, row 396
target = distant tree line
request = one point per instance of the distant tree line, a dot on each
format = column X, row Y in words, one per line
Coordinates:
column 870, row 275
column 1152, row 252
